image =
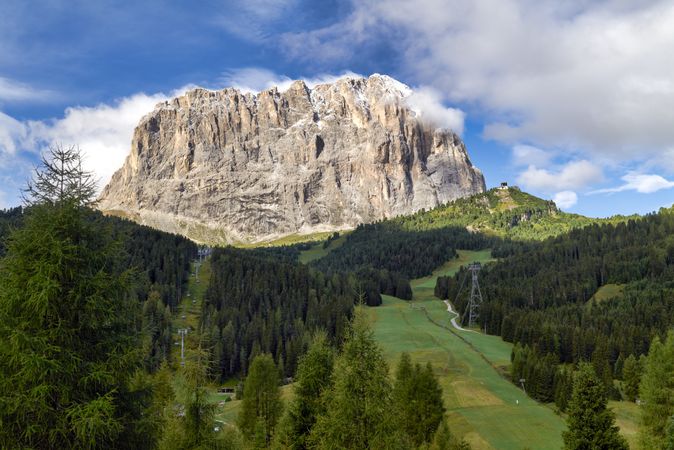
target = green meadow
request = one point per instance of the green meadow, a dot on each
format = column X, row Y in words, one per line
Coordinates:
column 482, row 406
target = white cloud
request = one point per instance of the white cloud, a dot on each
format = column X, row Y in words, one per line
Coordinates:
column 565, row 199
column 642, row 183
column 11, row 133
column 572, row 176
column 580, row 75
column 14, row 91
column 526, row 155
column 428, row 103
column 424, row 100
column 103, row 133
column 256, row 79
column 249, row 19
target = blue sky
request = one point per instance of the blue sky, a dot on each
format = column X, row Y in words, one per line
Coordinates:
column 570, row 100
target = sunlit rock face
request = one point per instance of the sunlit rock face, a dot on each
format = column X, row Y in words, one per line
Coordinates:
column 228, row 167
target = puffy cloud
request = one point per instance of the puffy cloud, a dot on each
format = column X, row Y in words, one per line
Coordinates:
column 571, row 176
column 565, row 199
column 642, row 183
column 526, row 155
column 254, row 79
column 103, row 132
column 590, row 76
column 11, row 133
column 428, row 103
column 424, row 100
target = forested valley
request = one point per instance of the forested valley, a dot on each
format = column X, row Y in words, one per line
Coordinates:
column 599, row 294
column 88, row 305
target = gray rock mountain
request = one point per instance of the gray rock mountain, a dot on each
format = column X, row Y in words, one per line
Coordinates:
column 224, row 166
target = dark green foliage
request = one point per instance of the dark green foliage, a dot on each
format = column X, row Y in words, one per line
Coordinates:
column 540, row 296
column 417, row 401
column 444, row 440
column 539, row 373
column 259, row 305
column 157, row 326
column 70, row 363
column 312, row 380
column 191, row 424
column 591, row 425
column 358, row 413
column 631, row 378
column 262, row 405
column 669, row 440
column 10, row 219
column 68, row 319
column 334, row 236
column 657, row 393
column 409, row 253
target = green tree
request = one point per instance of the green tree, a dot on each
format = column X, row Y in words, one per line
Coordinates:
column 191, row 422
column 445, row 440
column 657, row 392
column 261, row 407
column 417, row 401
column 68, row 318
column 358, row 412
column 669, row 441
column 591, row 425
column 312, row 381
column 631, row 378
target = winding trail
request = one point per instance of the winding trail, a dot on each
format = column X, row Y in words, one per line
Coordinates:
column 456, row 316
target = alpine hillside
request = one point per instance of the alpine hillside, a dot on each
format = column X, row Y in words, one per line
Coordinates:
column 232, row 167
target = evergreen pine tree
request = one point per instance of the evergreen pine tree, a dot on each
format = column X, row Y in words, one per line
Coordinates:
column 669, row 440
column 261, row 407
column 417, row 401
column 311, row 382
column 68, row 318
column 657, row 393
column 631, row 378
column 358, row 414
column 591, row 425
column 444, row 440
column 191, row 422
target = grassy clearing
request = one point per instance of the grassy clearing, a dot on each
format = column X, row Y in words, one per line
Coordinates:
column 317, row 251
column 289, row 240
column 484, row 408
column 189, row 310
column 607, row 292
column 227, row 413
column 627, row 418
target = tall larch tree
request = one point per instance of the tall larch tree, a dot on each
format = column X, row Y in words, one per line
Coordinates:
column 312, row 381
column 359, row 410
column 262, row 406
column 657, row 393
column 591, row 425
column 68, row 316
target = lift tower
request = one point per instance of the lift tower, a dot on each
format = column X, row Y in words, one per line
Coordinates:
column 475, row 294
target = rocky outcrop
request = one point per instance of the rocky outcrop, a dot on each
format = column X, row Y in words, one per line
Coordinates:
column 226, row 166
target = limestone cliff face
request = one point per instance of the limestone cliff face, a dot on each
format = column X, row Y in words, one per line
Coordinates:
column 231, row 167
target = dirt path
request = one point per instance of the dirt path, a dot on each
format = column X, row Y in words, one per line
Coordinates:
column 456, row 316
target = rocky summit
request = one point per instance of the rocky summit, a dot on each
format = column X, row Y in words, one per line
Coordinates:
column 232, row 167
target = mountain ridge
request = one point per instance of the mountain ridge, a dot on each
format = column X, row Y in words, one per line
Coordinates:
column 228, row 167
